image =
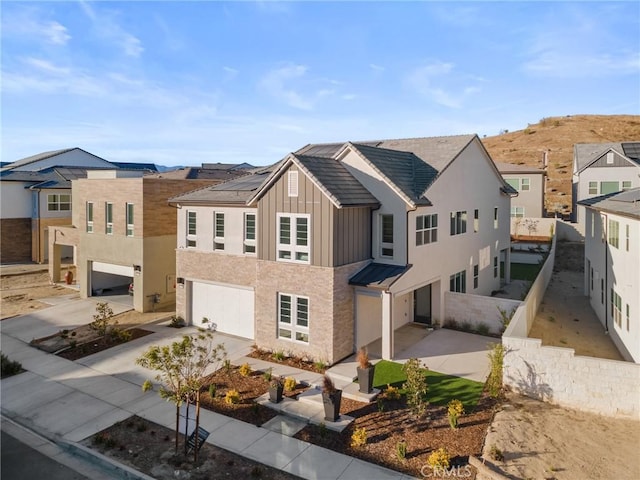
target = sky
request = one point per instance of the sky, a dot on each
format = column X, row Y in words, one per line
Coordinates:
column 185, row 83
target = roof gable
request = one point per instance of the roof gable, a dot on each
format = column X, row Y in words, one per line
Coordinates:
column 48, row 155
column 585, row 154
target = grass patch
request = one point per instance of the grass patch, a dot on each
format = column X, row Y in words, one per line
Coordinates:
column 442, row 388
column 524, row 271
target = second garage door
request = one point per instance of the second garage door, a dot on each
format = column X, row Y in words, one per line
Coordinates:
column 229, row 308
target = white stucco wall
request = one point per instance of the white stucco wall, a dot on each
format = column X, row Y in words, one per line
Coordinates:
column 15, row 200
column 476, row 309
column 43, row 203
column 531, row 200
column 77, row 158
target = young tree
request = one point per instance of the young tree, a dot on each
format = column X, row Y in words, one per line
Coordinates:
column 181, row 368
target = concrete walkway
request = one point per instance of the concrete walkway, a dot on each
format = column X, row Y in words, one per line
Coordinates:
column 67, row 402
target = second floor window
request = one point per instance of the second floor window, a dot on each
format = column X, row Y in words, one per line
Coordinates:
column 249, row 233
column 458, row 222
column 129, row 214
column 525, row 184
column 386, row 240
column 218, row 226
column 458, row 282
column 517, row 212
column 495, row 217
column 626, row 185
column 476, row 220
column 593, row 188
column 616, row 308
column 108, row 215
column 58, row 203
column 614, row 233
column 89, row 217
column 496, row 267
column 476, row 272
column 426, row 229
column 191, row 229
column 293, row 238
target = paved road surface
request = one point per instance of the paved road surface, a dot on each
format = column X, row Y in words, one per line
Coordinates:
column 20, row 462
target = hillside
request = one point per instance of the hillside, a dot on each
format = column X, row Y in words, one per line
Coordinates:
column 556, row 136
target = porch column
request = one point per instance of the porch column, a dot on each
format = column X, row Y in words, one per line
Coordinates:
column 507, row 265
column 387, row 326
column 55, row 251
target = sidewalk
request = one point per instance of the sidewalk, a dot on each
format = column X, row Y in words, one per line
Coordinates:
column 67, row 402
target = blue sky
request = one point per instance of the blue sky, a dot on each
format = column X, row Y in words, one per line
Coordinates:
column 181, row 83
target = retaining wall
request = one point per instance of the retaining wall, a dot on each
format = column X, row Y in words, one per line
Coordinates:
column 476, row 309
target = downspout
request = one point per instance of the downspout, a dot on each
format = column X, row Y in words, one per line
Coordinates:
column 606, row 276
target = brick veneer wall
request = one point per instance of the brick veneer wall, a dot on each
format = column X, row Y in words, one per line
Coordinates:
column 15, row 240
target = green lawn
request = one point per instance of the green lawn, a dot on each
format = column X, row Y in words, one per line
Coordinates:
column 442, row 388
column 524, row 271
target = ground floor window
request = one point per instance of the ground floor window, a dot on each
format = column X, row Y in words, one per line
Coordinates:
column 476, row 272
column 616, row 308
column 517, row 212
column 458, row 282
column 293, row 317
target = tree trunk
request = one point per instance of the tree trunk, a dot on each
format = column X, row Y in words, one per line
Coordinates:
column 195, row 454
column 186, row 428
column 177, row 425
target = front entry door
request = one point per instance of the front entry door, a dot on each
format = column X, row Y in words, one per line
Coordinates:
column 422, row 305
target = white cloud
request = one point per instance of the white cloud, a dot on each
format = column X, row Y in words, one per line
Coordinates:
column 106, row 26
column 428, row 81
column 46, row 66
column 230, row 73
column 277, row 84
column 28, row 23
column 376, row 68
column 580, row 65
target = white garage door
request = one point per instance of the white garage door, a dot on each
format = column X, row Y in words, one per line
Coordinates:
column 230, row 308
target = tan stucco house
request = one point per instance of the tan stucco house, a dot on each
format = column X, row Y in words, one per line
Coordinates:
column 338, row 245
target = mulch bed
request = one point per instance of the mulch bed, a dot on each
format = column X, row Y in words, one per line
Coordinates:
column 249, row 388
column 291, row 361
column 100, row 344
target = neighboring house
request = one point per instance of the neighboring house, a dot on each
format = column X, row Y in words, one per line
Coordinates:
column 124, row 233
column 612, row 266
column 36, row 194
column 603, row 168
column 529, row 182
column 339, row 245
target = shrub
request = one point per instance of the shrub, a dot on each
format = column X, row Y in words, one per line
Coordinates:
column 177, row 321
column 8, row 367
column 496, row 454
column 505, row 317
column 320, row 365
column 212, row 390
column 415, row 386
column 101, row 319
column 363, row 358
column 328, row 385
column 465, row 326
column 392, row 393
column 380, row 404
column 120, row 335
column 401, row 450
column 359, row 437
column 439, row 459
column 482, row 328
column 454, row 410
column 278, row 355
column 494, row 381
column 268, row 374
column 290, row 384
column 245, row 370
column 227, row 366
column 232, row 396
column 450, row 323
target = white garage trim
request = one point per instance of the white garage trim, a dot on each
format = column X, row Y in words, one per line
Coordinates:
column 125, row 271
column 229, row 307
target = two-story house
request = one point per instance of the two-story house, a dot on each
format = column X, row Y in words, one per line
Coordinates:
column 612, row 266
column 35, row 194
column 339, row 245
column 124, row 233
column 529, row 182
column 603, row 168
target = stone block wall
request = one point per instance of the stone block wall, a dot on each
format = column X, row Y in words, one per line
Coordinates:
column 557, row 375
column 476, row 309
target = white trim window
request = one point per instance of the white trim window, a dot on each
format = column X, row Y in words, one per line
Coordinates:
column 614, row 233
column 496, row 267
column 386, row 235
column 249, row 233
column 191, row 228
column 476, row 220
column 495, row 217
column 129, row 215
column 626, row 184
column 517, row 212
column 108, row 218
column 458, row 282
column 292, row 183
column 525, row 184
column 293, row 318
column 458, row 222
column 89, row 217
column 58, row 202
column 616, row 308
column 293, row 237
column 218, row 231
column 593, row 188
column 627, row 236
column 426, row 229
column 476, row 274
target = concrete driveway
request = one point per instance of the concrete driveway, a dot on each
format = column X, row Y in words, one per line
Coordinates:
column 68, row 314
column 452, row 352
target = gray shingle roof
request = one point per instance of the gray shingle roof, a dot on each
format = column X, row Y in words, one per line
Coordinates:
column 52, row 177
column 378, row 275
column 626, row 203
column 436, row 151
column 335, row 181
column 586, row 153
column 38, row 157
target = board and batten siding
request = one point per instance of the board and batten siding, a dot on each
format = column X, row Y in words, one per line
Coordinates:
column 338, row 236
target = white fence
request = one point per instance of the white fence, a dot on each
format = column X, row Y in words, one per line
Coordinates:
column 477, row 309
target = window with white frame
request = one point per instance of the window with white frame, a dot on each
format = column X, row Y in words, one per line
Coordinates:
column 593, row 188
column 476, row 274
column 525, row 184
column 614, row 233
column 386, row 235
column 628, row 316
column 476, row 220
column 58, row 203
column 191, row 228
column 609, row 187
column 626, row 185
column 426, row 229
column 108, row 216
column 517, row 212
column 293, row 183
column 249, row 233
column 293, row 317
column 496, row 267
column 293, row 237
column 458, row 222
column 129, row 215
column 89, row 217
column 458, row 282
column 616, row 308
column 495, row 217
column 218, row 231
column 626, row 229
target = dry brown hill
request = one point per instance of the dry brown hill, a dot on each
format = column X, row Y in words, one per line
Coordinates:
column 556, row 136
